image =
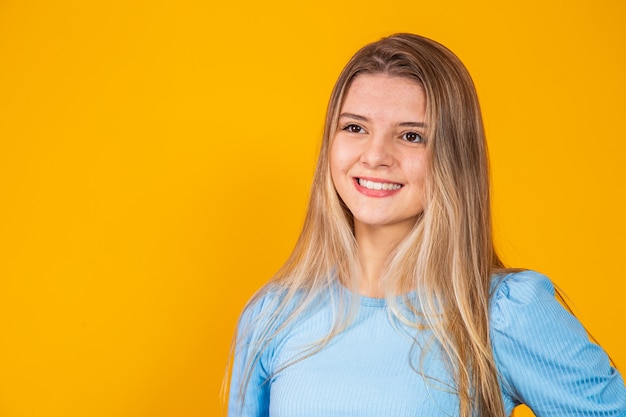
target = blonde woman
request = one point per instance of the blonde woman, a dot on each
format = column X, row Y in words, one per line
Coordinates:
column 394, row 302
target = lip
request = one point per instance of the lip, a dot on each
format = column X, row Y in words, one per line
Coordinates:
column 375, row 193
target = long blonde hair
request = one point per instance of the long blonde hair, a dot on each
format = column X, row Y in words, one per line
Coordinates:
column 449, row 255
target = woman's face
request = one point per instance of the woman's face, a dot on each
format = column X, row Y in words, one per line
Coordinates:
column 378, row 157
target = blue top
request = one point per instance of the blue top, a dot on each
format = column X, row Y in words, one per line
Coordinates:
column 542, row 352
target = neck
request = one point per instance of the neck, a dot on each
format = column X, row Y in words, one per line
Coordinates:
column 375, row 247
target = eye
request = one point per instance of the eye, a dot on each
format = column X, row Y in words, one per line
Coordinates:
column 413, row 137
column 352, row 128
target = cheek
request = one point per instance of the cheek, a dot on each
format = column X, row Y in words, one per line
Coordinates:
column 340, row 161
column 333, row 161
column 418, row 169
column 337, row 159
column 419, row 172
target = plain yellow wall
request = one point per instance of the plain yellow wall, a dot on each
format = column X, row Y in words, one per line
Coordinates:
column 155, row 158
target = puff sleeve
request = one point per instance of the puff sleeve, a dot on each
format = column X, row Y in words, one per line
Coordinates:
column 250, row 399
column 544, row 356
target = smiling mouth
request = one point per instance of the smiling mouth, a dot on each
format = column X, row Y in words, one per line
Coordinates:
column 371, row 185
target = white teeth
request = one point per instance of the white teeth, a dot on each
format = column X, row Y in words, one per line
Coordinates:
column 378, row 185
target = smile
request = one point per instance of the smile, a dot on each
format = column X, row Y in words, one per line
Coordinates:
column 378, row 185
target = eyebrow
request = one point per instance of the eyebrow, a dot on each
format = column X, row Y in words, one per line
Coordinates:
column 365, row 119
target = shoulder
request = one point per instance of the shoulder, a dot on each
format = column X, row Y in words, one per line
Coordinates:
column 523, row 307
column 519, row 291
column 264, row 302
column 522, row 287
column 524, row 304
column 274, row 306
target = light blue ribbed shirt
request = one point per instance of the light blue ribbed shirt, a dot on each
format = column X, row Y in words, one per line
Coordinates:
column 542, row 352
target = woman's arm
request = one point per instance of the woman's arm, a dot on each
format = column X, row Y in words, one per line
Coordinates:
column 249, row 384
column 544, row 355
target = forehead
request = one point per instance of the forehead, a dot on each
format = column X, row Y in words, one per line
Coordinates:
column 383, row 93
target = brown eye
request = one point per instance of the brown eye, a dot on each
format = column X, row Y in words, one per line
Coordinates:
column 413, row 137
column 352, row 128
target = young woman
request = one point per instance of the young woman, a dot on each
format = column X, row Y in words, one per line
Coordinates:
column 394, row 302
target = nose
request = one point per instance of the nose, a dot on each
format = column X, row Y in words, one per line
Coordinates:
column 377, row 151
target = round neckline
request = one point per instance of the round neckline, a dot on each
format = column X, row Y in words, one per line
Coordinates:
column 379, row 302
column 366, row 301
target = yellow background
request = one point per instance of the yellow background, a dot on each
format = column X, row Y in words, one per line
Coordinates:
column 155, row 158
